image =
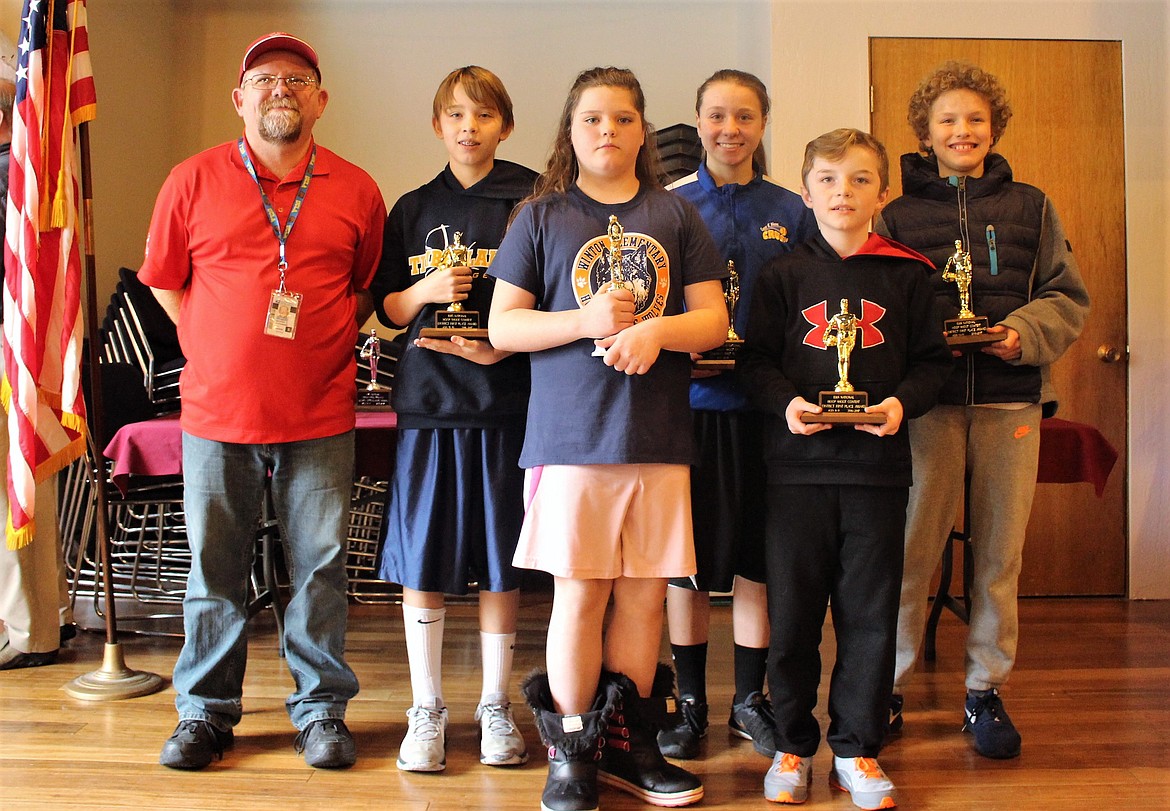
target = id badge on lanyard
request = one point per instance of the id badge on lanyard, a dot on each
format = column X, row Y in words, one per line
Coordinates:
column 283, row 309
column 284, row 305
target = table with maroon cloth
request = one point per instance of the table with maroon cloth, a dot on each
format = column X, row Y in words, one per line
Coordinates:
column 1074, row 452
column 155, row 447
column 1069, row 452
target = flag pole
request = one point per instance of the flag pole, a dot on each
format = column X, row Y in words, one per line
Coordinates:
column 114, row 680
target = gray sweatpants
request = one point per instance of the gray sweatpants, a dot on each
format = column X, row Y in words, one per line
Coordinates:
column 1000, row 447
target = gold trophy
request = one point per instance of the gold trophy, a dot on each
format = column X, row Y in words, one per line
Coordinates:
column 455, row 320
column 722, row 358
column 613, row 259
column 843, row 404
column 967, row 331
column 375, row 396
column 614, row 235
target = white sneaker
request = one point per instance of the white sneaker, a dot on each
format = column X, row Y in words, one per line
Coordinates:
column 424, row 749
column 865, row 781
column 500, row 742
column 788, row 778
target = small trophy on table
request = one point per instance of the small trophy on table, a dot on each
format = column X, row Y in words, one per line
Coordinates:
column 455, row 320
column 375, row 396
column 843, row 404
column 722, row 358
column 613, row 258
column 967, row 331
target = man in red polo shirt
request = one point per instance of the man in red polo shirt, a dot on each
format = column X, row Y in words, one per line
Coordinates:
column 261, row 250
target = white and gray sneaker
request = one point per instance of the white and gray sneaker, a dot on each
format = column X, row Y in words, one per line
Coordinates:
column 424, row 749
column 788, row 778
column 863, row 778
column 500, row 741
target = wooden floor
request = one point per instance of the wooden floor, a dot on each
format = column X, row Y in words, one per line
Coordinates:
column 1091, row 695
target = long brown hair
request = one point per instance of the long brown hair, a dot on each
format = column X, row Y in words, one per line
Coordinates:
column 562, row 167
column 751, row 82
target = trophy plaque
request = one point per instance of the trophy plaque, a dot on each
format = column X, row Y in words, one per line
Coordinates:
column 613, row 257
column 374, row 396
column 722, row 358
column 967, row 331
column 843, row 404
column 455, row 320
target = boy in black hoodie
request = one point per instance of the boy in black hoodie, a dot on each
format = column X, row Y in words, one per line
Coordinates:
column 837, row 495
column 455, row 504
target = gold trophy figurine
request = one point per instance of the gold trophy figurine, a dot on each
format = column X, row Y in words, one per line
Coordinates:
column 375, row 396
column 731, row 296
column 615, row 234
column 722, row 358
column 966, row 331
column 842, row 333
column 613, row 259
column 455, row 320
column 843, row 404
column 958, row 270
column 456, row 255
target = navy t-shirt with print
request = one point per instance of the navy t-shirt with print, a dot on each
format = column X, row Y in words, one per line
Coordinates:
column 582, row 411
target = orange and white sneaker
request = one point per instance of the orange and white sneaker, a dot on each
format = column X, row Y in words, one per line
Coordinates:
column 863, row 778
column 788, row 778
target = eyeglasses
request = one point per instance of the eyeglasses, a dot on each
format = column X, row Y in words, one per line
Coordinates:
column 266, row 81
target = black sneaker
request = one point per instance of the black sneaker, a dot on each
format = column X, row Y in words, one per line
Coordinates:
column 995, row 734
column 67, row 632
column 194, row 744
column 12, row 659
column 327, row 744
column 896, row 702
column 682, row 740
column 753, row 719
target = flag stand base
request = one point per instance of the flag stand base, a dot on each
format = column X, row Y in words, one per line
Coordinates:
column 114, row 680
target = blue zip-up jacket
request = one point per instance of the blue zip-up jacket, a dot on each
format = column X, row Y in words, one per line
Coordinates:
column 752, row 224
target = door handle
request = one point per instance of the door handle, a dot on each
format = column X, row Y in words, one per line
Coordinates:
column 1108, row 354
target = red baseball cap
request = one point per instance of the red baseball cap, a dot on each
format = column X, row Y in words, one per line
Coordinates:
column 279, row 41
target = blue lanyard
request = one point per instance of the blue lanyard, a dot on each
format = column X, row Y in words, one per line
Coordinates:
column 281, row 238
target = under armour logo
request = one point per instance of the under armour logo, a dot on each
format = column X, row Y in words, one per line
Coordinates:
column 818, row 316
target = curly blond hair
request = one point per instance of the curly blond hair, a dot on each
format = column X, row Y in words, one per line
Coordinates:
column 957, row 76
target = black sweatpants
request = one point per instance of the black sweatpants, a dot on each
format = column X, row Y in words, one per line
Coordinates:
column 837, row 546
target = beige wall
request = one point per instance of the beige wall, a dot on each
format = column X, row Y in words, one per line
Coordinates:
column 165, row 69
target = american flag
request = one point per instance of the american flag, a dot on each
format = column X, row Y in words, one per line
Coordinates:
column 42, row 279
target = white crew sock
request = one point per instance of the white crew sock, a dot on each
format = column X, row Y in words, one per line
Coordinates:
column 424, row 652
column 497, row 664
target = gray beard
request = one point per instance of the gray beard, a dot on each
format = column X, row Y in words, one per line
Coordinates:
column 277, row 127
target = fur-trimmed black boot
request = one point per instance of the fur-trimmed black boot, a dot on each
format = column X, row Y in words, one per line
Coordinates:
column 630, row 759
column 574, row 746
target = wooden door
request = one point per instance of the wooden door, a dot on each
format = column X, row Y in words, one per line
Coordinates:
column 1066, row 137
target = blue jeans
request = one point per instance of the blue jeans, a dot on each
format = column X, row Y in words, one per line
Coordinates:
column 223, row 485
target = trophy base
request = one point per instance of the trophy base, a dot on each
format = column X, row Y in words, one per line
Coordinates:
column 475, row 333
column 373, row 399
column 448, row 323
column 721, row 358
column 969, row 343
column 843, row 408
column 969, row 334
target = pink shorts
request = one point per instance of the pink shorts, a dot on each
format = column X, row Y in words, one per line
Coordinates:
column 587, row 522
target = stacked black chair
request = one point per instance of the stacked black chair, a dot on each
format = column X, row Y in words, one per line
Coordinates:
column 679, row 151
column 138, row 332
